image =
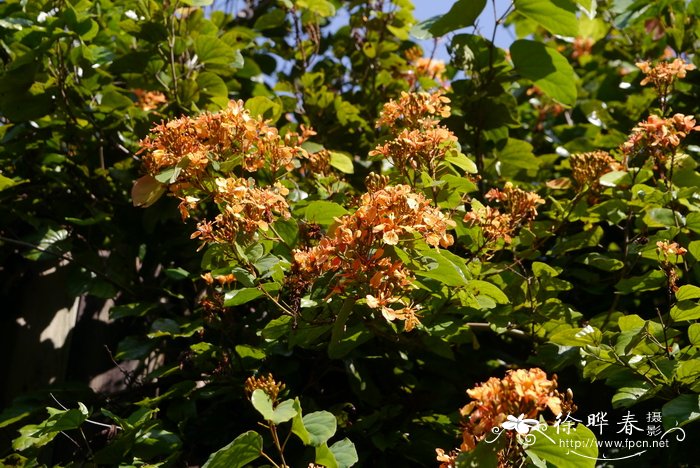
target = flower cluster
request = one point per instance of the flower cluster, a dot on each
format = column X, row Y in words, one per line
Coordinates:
column 669, row 253
column 265, row 383
column 658, row 137
column 587, row 168
column 423, row 67
column 149, row 100
column 667, row 249
column 414, row 110
column 520, row 207
column 581, row 47
column 190, row 145
column 418, row 149
column 317, row 163
column 354, row 251
column 245, row 209
column 524, row 391
column 663, row 74
column 418, row 142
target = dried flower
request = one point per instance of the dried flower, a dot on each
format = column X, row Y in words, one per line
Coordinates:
column 587, row 168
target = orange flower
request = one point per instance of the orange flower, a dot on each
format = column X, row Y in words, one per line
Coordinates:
column 658, row 137
column 188, row 146
column 354, row 251
column 520, row 207
column 149, row 100
column 414, row 110
column 244, row 209
column 663, row 74
column 418, row 149
column 522, row 391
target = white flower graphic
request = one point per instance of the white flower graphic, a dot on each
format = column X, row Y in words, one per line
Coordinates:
column 520, row 424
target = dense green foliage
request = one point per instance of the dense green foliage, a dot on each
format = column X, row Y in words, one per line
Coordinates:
column 438, row 226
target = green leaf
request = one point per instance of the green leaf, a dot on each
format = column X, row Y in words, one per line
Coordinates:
column 484, row 454
column 438, row 266
column 260, row 106
column 323, row 212
column 321, row 425
column 692, row 221
column 547, row 68
column 278, row 415
column 51, row 241
column 344, row 453
column 688, row 372
column 556, row 16
column 478, row 287
column 18, row 410
column 211, row 84
column 685, row 310
column 693, row 335
column 262, row 402
column 369, row 50
column 284, row 412
column 314, row 428
column 244, row 449
column 601, row 262
column 615, row 178
column 215, row 52
column 628, row 396
column 6, row 182
column 247, row 351
column 462, row 14
column 241, row 296
column 342, row 161
column 516, row 155
column 156, row 442
column 647, row 282
column 177, row 273
column 64, row 420
column 198, row 3
column 114, row 100
column 687, row 292
column 322, row 8
column 577, row 337
column 351, row 339
column 680, row 411
column 30, row 436
column 662, row 217
column 272, row 19
column 146, row 191
column 463, row 162
column 325, row 457
column 137, row 309
column 550, row 445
